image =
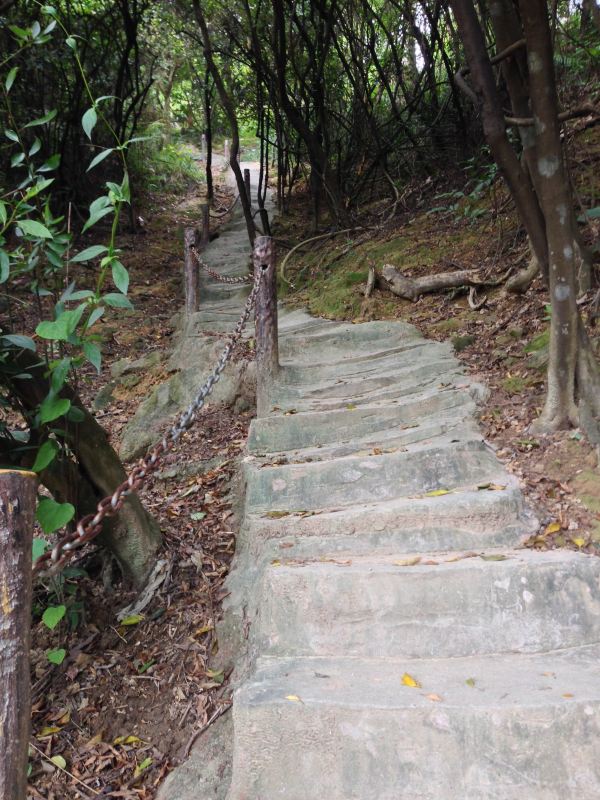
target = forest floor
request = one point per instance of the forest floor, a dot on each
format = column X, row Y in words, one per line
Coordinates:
column 123, row 706
column 121, row 709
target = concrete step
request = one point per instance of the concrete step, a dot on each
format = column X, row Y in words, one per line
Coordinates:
column 462, row 520
column 447, row 605
column 510, row 727
column 444, row 466
column 279, row 434
column 390, row 386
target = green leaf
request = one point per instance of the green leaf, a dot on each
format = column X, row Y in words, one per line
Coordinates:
column 89, row 253
column 94, row 316
column 10, row 134
column 75, row 414
column 51, row 164
column 134, row 619
column 58, row 761
column 100, row 157
column 20, row 33
column 53, row 615
column 52, row 515
column 60, row 370
column 95, row 216
column 3, row 213
column 18, row 340
column 117, row 300
column 38, row 548
column 42, row 120
column 56, row 657
column 10, row 78
column 45, row 455
column 4, row 266
column 17, row 159
column 31, row 227
column 38, row 187
column 197, row 515
column 88, row 121
column 62, row 328
column 70, row 41
column 54, row 407
column 120, row 276
column 93, row 354
column 592, row 213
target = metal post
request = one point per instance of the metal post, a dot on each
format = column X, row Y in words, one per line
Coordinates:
column 191, row 272
column 17, row 510
column 267, row 347
column 205, row 236
column 247, row 185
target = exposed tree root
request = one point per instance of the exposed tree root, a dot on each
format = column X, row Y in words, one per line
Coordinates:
column 412, row 288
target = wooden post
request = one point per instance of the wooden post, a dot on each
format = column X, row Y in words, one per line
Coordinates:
column 205, row 235
column 191, row 272
column 203, row 146
column 17, row 511
column 267, row 347
column 247, row 185
column 226, row 150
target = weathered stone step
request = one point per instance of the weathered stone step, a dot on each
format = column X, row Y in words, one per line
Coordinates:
column 396, row 384
column 353, row 480
column 460, row 520
column 513, row 727
column 446, row 605
column 277, row 434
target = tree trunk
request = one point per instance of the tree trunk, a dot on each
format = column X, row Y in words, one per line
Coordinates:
column 17, row 509
column 132, row 536
column 560, row 409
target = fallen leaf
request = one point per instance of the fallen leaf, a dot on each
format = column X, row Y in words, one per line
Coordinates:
column 437, row 493
column 435, row 698
column 567, row 695
column 470, row 682
column 127, row 740
column 553, row 527
column 408, row 680
column 293, row 698
column 276, row 514
column 59, row 762
column 134, row 619
column 493, row 557
column 407, row 562
column 579, row 542
column 48, row 731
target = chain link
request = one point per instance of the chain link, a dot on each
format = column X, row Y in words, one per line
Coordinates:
column 90, row 526
column 215, row 275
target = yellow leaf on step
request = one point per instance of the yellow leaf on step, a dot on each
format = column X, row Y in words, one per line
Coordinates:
column 408, row 680
column 293, row 698
column 554, row 527
column 408, row 562
column 578, row 542
column 437, row 493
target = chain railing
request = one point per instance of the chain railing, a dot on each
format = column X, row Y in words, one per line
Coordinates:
column 91, row 525
column 242, row 279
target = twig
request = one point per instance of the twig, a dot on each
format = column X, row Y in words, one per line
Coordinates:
column 62, row 769
column 215, row 716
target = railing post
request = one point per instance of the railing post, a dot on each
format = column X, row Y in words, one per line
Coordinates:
column 205, row 235
column 17, row 509
column 267, row 347
column 226, row 150
column 247, row 185
column 191, row 272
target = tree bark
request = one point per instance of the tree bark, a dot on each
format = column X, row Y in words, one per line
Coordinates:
column 133, row 536
column 412, row 288
column 560, row 408
column 17, row 509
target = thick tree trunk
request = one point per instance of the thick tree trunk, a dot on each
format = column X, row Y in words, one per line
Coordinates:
column 560, row 409
column 132, row 536
column 17, row 508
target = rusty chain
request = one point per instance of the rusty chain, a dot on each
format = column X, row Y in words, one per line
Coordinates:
column 215, row 275
column 90, row 526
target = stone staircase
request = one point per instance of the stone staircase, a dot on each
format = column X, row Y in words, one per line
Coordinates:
column 391, row 640
column 397, row 642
